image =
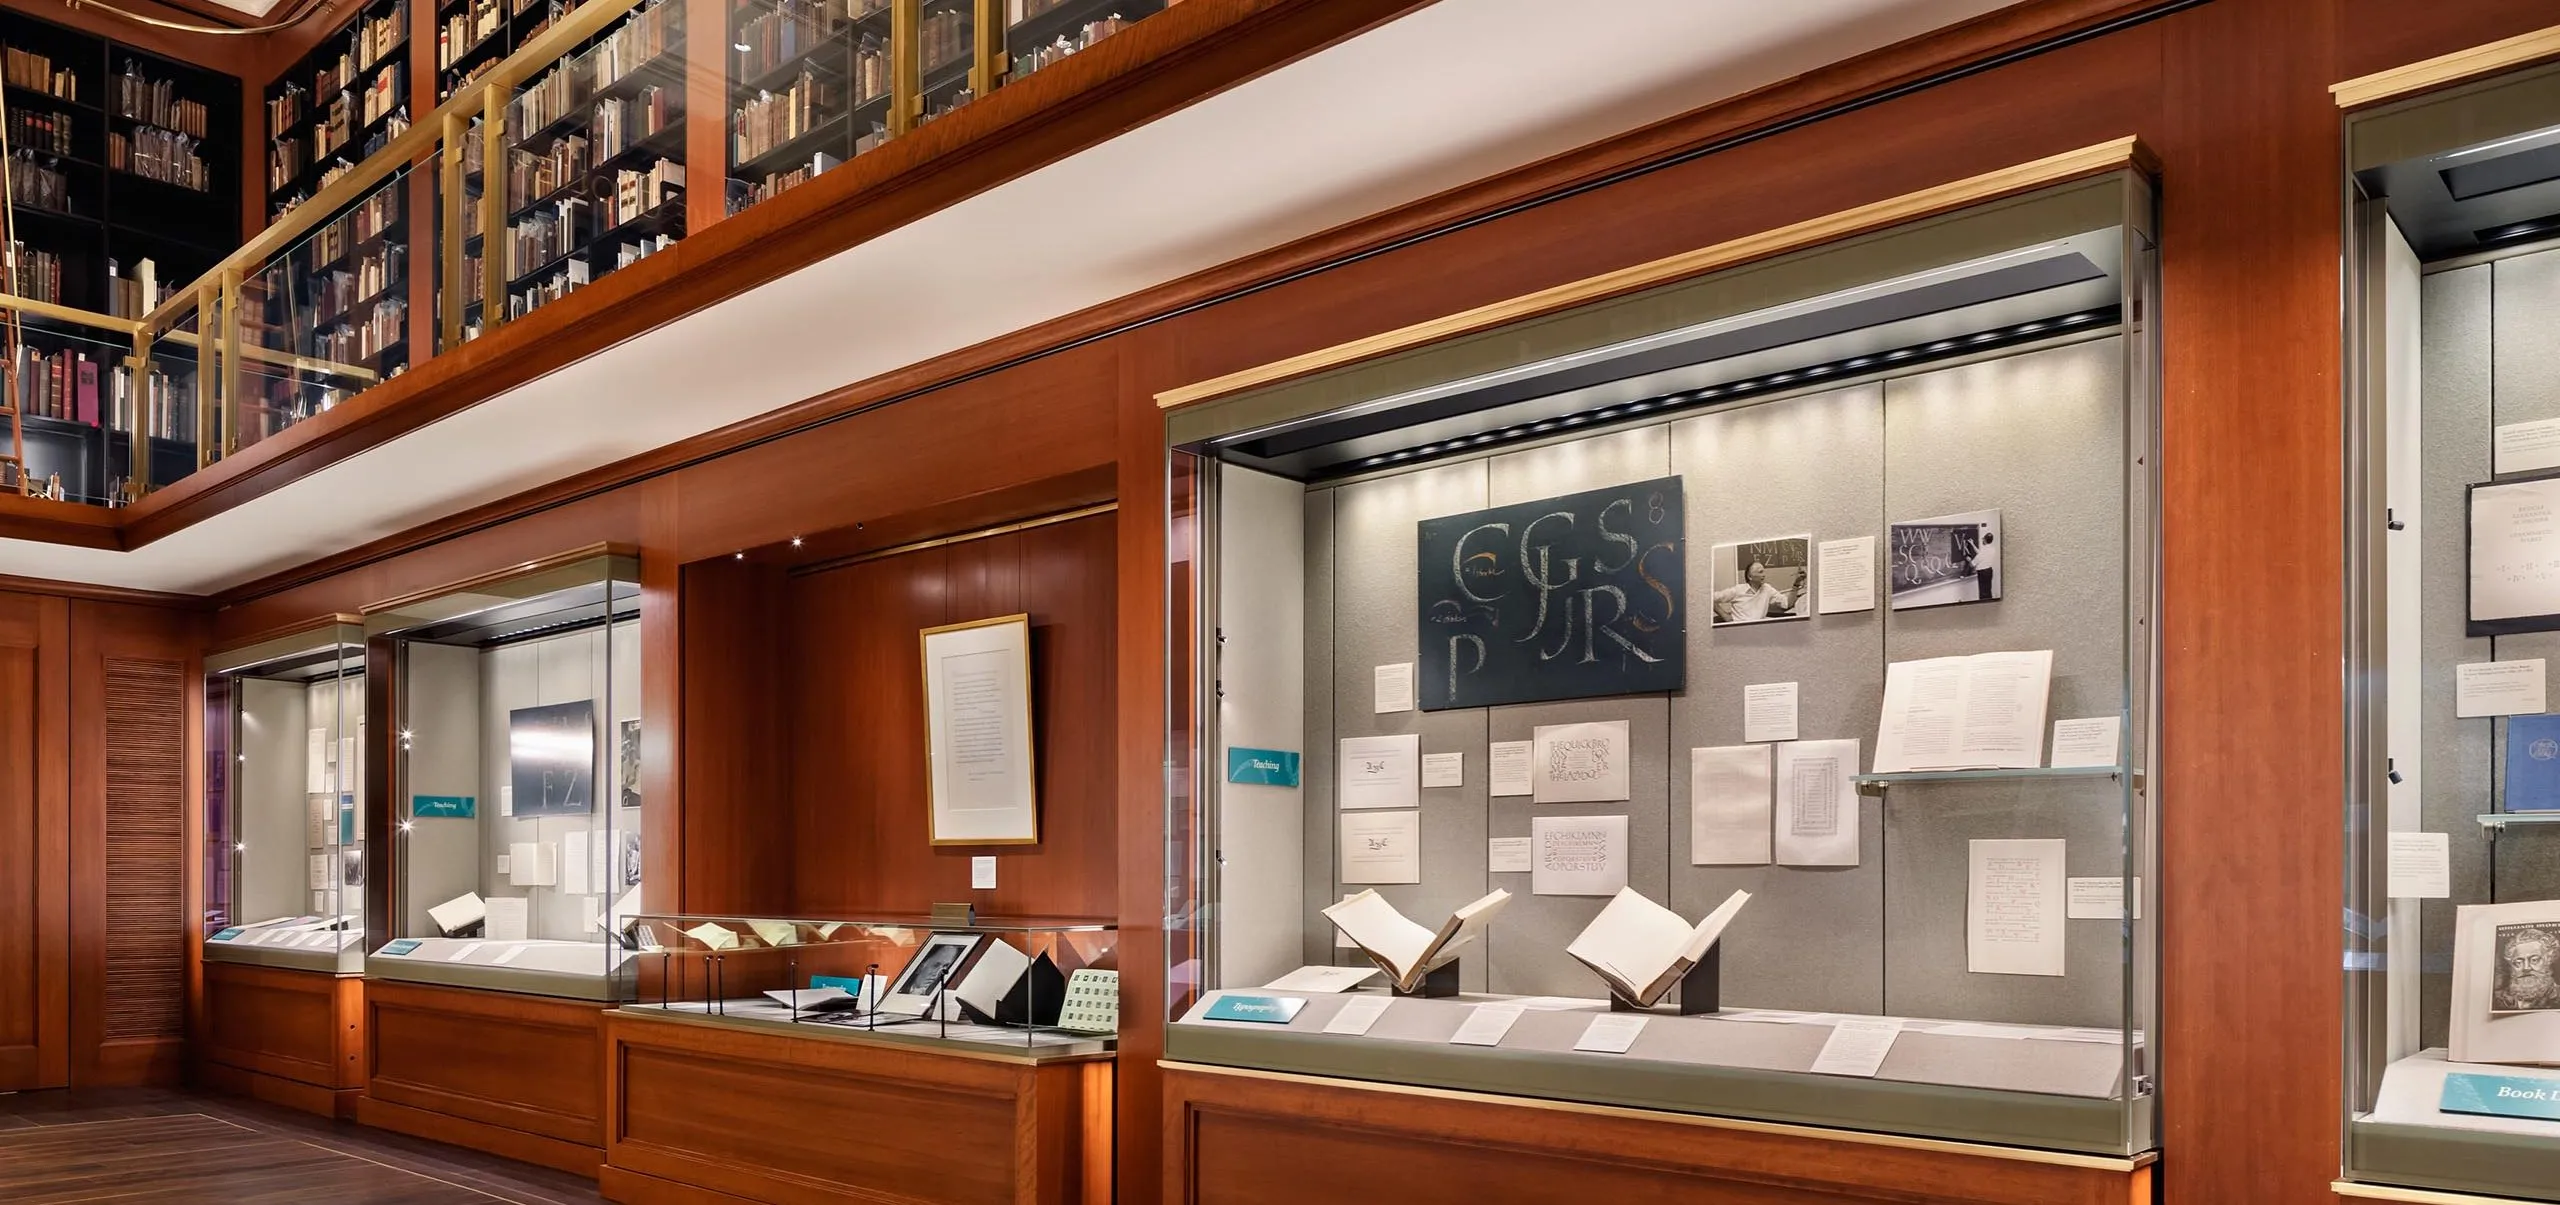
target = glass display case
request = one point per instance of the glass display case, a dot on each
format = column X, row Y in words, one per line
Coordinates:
column 284, row 815
column 2453, row 908
column 1728, row 696
column 1041, row 989
column 515, row 781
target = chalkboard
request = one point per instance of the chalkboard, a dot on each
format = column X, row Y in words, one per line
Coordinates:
column 1572, row 597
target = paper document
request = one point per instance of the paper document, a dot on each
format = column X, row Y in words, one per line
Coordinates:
column 1847, row 577
column 1817, row 805
column 1729, row 806
column 1579, row 855
column 533, row 864
column 1358, row 1014
column 320, row 865
column 1769, row 712
column 2487, row 688
column 2099, row 898
column 1322, row 980
column 1394, row 687
column 1380, row 772
column 1980, row 712
column 508, row 918
column 811, row 999
column 1857, row 1046
column 2013, row 908
column 1381, row 847
column 1508, row 764
column 2514, row 551
column 2420, row 868
column 316, row 770
column 1613, row 1033
column 1444, row 770
column 1510, row 855
column 573, row 864
column 1579, row 763
column 2089, row 742
column 712, row 937
column 775, row 933
column 982, row 873
column 2524, row 447
column 1486, row 1024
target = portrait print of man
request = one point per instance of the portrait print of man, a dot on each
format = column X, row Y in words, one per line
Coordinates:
column 2528, row 969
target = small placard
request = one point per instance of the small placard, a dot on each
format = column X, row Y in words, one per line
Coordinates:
column 1262, row 767
column 982, row 873
column 225, row 935
column 1444, row 769
column 849, row 984
column 400, row 948
column 1261, row 1010
column 2501, row 1095
column 442, row 807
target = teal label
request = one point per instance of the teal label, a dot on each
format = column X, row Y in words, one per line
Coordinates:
column 227, row 934
column 400, row 947
column 1262, row 767
column 346, row 819
column 443, row 807
column 852, row 984
column 1267, row 1010
column 2502, row 1095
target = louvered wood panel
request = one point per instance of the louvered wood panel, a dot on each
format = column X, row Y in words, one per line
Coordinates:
column 145, row 993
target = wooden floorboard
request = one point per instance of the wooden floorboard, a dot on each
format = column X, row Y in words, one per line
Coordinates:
column 60, row 1148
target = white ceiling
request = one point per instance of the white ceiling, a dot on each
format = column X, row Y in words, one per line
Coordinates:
column 1455, row 92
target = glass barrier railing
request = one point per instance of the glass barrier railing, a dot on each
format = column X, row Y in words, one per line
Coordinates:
column 557, row 156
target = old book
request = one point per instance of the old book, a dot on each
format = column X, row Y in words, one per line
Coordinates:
column 1404, row 950
column 1641, row 948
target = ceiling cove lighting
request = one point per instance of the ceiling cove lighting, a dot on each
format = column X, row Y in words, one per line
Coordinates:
column 2024, row 332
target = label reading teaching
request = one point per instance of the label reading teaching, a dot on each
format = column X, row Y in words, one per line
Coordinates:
column 1262, row 767
column 1265, row 1010
column 440, row 807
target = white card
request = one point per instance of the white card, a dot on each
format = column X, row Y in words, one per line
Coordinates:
column 2524, row 447
column 316, row 773
column 1578, row 855
column 982, row 874
column 1579, row 763
column 1382, row 847
column 1729, row 806
column 506, row 917
column 1358, row 1014
column 1769, row 712
column 347, row 778
column 319, row 872
column 2013, row 908
column 2099, row 899
column 1817, row 803
column 462, row 951
column 504, row 861
column 2485, row 688
column 1857, row 1046
column 1444, row 769
column 1509, row 763
column 2088, row 742
column 2421, row 867
column 1486, row 1024
column 1511, row 855
column 573, row 864
column 1846, row 579
column 1610, row 1033
column 533, row 864
column 1394, row 688
column 1321, row 980
column 1380, row 772
column 510, row 954
column 506, row 799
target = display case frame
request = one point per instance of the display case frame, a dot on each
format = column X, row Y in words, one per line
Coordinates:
column 292, row 673
column 1361, row 411
column 463, row 696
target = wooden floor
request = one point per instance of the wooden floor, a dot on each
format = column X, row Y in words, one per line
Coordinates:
column 171, row 1146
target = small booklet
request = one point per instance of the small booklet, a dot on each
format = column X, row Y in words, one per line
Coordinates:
column 2533, row 763
column 1640, row 948
column 1983, row 712
column 1404, row 950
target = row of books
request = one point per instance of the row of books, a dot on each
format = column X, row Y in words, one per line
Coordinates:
column 770, row 120
column 619, row 123
column 157, row 154
column 38, row 185
column 387, row 325
column 376, row 37
column 58, row 384
column 36, row 73
column 336, row 127
column 463, row 32
column 553, row 287
column 38, row 274
column 777, row 183
column 533, row 177
column 336, row 293
column 767, row 41
column 1067, row 44
column 136, row 295
column 639, row 249
column 286, row 107
column 546, row 235
column 652, row 30
column 369, row 219
column 558, row 93
column 157, row 101
column 383, row 93
column 81, row 387
column 636, row 193
column 37, row 130
column 943, row 36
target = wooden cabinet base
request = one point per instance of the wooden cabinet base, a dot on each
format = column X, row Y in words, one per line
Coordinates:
column 293, row 1038
column 520, row 1077
column 709, row 1112
column 1255, row 1138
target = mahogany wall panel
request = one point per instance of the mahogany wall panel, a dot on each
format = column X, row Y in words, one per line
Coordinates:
column 735, row 849
column 292, row 1037
column 35, row 855
column 519, row 1076
column 2378, row 35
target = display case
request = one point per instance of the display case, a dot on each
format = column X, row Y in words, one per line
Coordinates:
column 515, row 784
column 1723, row 687
column 2453, row 911
column 284, row 820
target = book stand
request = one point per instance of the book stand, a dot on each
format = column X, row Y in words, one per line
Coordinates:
column 1436, row 984
column 1698, row 989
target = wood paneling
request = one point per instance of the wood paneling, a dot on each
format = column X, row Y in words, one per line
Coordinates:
column 35, row 853
column 736, row 851
column 1249, row 1139
column 766, row 1117
column 2378, row 35
column 518, row 1076
column 292, row 1037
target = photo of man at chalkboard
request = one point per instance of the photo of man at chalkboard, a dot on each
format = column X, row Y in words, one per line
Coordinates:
column 1762, row 580
column 1947, row 560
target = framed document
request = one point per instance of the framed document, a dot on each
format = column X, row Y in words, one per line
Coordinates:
column 979, row 771
column 2515, row 556
column 935, row 965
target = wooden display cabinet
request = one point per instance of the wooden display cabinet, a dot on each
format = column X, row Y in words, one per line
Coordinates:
column 514, row 1075
column 288, row 1037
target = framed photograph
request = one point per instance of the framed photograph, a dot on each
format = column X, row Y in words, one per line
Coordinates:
column 1762, row 581
column 1946, row 561
column 551, row 759
column 628, row 763
column 2515, row 556
column 981, row 779
column 930, row 971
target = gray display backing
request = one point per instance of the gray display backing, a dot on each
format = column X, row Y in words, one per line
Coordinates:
column 269, row 804
column 344, row 960
column 2039, row 436
column 758, row 1013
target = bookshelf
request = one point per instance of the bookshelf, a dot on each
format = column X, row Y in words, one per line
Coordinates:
column 123, row 169
column 1039, row 33
column 812, row 83
column 346, row 99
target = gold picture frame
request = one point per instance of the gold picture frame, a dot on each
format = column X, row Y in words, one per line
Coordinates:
column 982, row 771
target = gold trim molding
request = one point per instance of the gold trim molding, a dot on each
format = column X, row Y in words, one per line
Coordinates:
column 2414, row 1196
column 1928, row 202
column 1940, row 1146
column 2454, row 68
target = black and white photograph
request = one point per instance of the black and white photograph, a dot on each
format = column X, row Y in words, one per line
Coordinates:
column 2528, row 971
column 351, row 866
column 1759, row 581
column 630, row 763
column 1946, row 561
column 630, row 860
column 927, row 972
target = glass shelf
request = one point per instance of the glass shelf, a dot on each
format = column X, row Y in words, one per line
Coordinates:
column 2496, row 820
column 1876, row 784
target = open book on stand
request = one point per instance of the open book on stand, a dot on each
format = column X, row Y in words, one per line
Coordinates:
column 1407, row 952
column 1640, row 948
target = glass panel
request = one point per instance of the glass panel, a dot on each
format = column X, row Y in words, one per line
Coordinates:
column 326, row 319
column 285, row 827
column 74, row 389
column 519, row 845
column 1711, row 683
column 1041, row 32
column 811, row 84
